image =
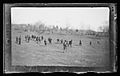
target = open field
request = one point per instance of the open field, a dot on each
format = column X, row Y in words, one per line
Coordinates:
column 33, row 54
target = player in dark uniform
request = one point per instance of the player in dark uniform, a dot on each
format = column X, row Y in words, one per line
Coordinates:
column 45, row 42
column 17, row 40
column 32, row 37
column 37, row 39
column 57, row 40
column 80, row 43
column 28, row 39
column 50, row 40
column 64, row 45
column 20, row 40
column 42, row 37
column 61, row 41
column 90, row 42
column 70, row 43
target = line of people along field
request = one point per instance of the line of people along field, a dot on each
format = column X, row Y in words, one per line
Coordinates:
column 39, row 39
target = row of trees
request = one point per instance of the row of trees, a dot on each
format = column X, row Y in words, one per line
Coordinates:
column 41, row 27
column 104, row 28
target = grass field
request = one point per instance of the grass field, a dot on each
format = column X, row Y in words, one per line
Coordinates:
column 33, row 54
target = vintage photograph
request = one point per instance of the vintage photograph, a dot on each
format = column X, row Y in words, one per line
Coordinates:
column 60, row 36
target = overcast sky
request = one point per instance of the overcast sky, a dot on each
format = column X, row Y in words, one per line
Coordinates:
column 75, row 17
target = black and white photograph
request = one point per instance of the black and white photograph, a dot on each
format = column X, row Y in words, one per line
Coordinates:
column 60, row 36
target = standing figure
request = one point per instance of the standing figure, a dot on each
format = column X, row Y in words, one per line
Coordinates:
column 32, row 37
column 61, row 41
column 70, row 43
column 98, row 42
column 67, row 44
column 16, row 40
column 90, row 42
column 50, row 40
column 80, row 43
column 28, row 39
column 20, row 40
column 39, row 39
column 57, row 40
column 45, row 42
column 25, row 38
column 42, row 37
column 35, row 38
column 64, row 45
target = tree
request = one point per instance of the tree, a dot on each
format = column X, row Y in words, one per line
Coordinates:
column 56, row 27
column 106, row 29
column 67, row 27
column 105, row 26
column 100, row 28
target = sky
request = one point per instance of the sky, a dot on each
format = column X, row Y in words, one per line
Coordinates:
column 72, row 17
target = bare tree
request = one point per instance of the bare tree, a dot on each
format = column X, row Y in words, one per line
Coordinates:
column 105, row 26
